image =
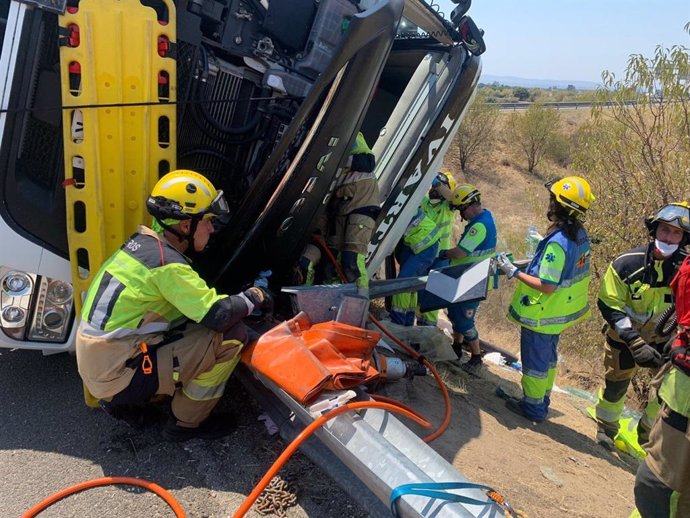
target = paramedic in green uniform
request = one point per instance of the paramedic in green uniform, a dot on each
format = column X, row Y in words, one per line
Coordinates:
column 477, row 242
column 551, row 294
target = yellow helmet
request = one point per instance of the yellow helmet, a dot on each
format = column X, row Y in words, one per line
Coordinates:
column 572, row 192
column 184, row 194
column 464, row 194
column 446, row 178
column 675, row 214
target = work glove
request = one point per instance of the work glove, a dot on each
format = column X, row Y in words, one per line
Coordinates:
column 644, row 354
column 261, row 298
column 506, row 266
column 262, row 280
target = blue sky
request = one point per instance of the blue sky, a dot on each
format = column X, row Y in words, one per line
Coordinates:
column 573, row 39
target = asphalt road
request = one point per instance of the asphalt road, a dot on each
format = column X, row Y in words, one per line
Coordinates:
column 49, row 440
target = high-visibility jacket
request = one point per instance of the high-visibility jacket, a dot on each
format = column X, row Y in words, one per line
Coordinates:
column 562, row 262
column 478, row 239
column 421, row 233
column 441, row 214
column 634, row 292
column 148, row 286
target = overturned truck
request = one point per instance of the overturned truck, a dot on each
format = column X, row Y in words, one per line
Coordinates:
column 264, row 97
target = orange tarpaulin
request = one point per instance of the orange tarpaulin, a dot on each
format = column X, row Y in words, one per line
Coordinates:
column 305, row 360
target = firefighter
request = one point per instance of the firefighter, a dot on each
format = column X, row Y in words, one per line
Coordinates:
column 150, row 325
column 419, row 246
column 663, row 477
column 437, row 207
column 552, row 293
column 348, row 223
column 477, row 242
column 635, row 291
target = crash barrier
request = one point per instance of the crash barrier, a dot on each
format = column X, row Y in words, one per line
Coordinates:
column 118, row 81
column 559, row 105
column 305, row 359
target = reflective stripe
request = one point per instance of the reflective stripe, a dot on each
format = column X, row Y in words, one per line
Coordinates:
column 211, row 384
column 430, row 239
column 548, row 321
column 569, row 282
column 566, row 318
column 534, row 373
column 151, row 327
column 609, row 411
column 107, row 295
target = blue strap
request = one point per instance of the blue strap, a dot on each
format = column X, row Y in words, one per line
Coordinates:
column 436, row 490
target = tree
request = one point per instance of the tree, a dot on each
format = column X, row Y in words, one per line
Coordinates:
column 636, row 150
column 571, row 88
column 477, row 130
column 521, row 93
column 533, row 132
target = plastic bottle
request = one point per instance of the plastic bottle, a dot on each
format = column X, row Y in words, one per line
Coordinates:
column 531, row 241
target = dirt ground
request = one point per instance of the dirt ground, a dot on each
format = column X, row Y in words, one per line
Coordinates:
column 547, row 470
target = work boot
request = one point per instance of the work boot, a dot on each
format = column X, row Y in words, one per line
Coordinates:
column 606, row 440
column 515, row 406
column 214, row 427
column 473, row 366
column 457, row 349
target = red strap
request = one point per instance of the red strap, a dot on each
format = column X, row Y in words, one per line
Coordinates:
column 681, row 293
column 69, row 182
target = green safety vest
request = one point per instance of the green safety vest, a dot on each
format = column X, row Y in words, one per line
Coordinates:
column 675, row 391
column 636, row 286
column 133, row 290
column 551, row 313
column 421, row 233
column 444, row 217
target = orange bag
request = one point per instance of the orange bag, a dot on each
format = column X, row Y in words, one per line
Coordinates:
column 304, row 360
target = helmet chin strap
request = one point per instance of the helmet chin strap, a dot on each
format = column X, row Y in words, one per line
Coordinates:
column 182, row 237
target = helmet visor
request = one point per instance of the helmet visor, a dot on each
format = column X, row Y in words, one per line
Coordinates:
column 219, row 206
column 440, row 179
column 675, row 215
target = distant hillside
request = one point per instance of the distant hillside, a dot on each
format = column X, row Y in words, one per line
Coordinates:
column 537, row 83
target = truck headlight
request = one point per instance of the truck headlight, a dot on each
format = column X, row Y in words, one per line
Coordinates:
column 33, row 307
column 16, row 284
column 13, row 314
column 59, row 292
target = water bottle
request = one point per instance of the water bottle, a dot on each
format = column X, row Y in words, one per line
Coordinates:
column 531, row 241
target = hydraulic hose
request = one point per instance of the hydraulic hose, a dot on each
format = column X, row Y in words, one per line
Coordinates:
column 414, row 354
column 108, row 481
column 306, row 433
column 667, row 321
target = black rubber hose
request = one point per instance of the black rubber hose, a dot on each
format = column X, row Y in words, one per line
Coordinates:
column 667, row 322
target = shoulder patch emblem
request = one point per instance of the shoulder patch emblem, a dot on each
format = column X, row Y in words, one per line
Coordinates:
column 550, row 257
column 472, row 232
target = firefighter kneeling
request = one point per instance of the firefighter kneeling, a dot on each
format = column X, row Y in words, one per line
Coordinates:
column 150, row 325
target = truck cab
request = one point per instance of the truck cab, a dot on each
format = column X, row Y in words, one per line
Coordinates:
column 264, row 97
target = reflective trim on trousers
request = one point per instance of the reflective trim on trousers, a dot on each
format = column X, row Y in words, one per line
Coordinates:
column 211, row 384
column 609, row 411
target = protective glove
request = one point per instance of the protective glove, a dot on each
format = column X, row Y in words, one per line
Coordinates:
column 261, row 298
column 506, row 266
column 262, row 280
column 644, row 354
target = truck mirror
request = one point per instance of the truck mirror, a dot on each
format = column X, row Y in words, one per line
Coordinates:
column 472, row 36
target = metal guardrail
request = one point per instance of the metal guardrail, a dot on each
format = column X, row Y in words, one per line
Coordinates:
column 558, row 105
